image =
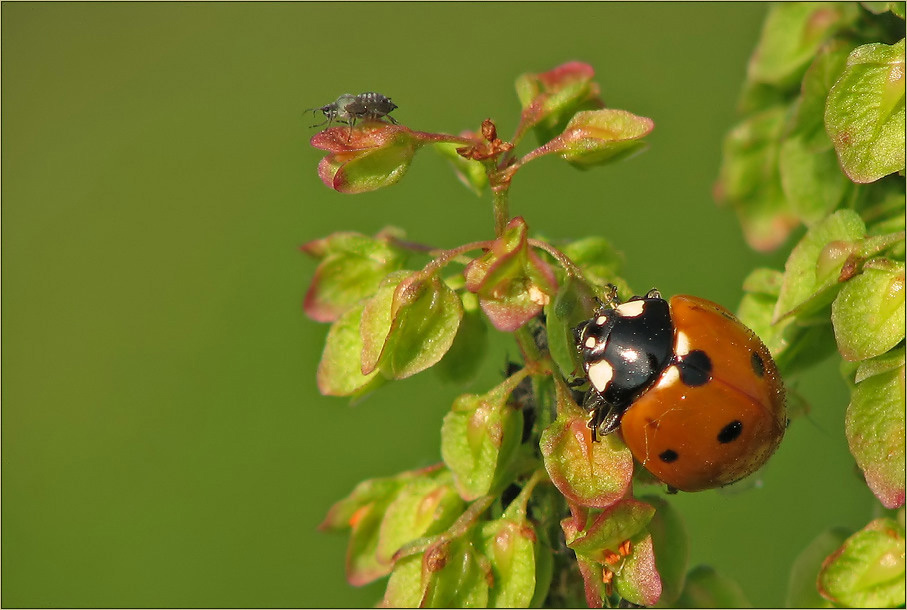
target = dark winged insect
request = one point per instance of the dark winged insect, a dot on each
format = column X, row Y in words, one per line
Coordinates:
column 348, row 109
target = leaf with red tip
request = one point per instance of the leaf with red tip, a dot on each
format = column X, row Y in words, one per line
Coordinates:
column 875, row 428
column 608, row 529
column 593, row 581
column 596, row 137
column 365, row 158
column 550, row 98
column 352, row 265
column 586, row 473
column 512, row 282
column 638, row 580
column 868, row 570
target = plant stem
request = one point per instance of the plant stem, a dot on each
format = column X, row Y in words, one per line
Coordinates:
column 565, row 262
column 501, row 202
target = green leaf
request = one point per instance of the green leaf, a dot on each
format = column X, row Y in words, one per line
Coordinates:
column 750, row 179
column 889, row 361
column 573, row 304
column 596, row 137
column 480, row 435
column 808, row 119
column 671, row 546
column 462, row 361
column 544, row 570
column 864, row 115
column 409, row 324
column 340, row 369
column 791, row 35
column 455, row 575
column 795, row 345
column 868, row 314
column 586, row 473
column 352, row 265
column 469, row 172
column 405, row 588
column 801, row 588
column 597, row 258
column 813, row 269
column 422, row 507
column 706, row 588
column 877, row 8
column 874, row 425
column 620, row 522
column 868, row 570
column 812, row 181
column 509, row 546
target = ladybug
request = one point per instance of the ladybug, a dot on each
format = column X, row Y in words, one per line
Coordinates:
column 695, row 393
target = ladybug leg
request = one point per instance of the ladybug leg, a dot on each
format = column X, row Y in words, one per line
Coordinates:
column 611, row 300
column 605, row 418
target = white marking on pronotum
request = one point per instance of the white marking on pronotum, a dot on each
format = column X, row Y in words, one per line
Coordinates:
column 631, row 309
column 682, row 344
column 600, row 320
column 590, row 342
column 600, row 373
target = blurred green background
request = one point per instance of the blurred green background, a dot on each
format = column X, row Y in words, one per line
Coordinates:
column 163, row 441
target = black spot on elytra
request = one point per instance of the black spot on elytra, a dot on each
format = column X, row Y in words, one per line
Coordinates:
column 695, row 368
column 730, row 432
column 758, row 364
column 668, row 455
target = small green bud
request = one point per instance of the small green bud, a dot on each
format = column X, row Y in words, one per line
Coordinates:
column 868, row 570
column 512, row 282
column 479, row 436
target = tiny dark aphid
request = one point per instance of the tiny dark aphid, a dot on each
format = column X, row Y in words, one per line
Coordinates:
column 349, row 108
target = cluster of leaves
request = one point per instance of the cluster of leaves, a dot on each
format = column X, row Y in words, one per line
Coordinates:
column 821, row 143
column 525, row 509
